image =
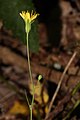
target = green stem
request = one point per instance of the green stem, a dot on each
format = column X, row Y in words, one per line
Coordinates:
column 29, row 60
column 30, row 107
column 30, row 74
column 27, row 98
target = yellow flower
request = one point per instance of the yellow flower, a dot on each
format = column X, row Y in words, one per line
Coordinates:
column 29, row 19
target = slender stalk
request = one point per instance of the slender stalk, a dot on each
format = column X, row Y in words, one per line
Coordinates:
column 30, row 74
column 60, row 82
column 30, row 107
column 27, row 98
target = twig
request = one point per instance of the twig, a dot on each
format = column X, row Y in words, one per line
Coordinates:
column 60, row 82
column 60, row 106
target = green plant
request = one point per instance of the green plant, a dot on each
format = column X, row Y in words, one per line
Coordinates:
column 29, row 19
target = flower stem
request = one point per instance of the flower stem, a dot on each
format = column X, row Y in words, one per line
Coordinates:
column 30, row 74
column 30, row 107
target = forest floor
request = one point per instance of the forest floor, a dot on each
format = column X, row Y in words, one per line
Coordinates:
column 50, row 63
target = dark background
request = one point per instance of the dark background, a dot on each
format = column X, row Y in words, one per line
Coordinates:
column 50, row 13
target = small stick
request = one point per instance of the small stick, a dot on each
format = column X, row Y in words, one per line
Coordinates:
column 59, row 84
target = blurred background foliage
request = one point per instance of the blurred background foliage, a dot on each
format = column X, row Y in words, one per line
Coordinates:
column 9, row 15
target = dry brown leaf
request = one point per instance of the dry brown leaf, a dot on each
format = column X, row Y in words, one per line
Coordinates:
column 37, row 92
column 19, row 108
